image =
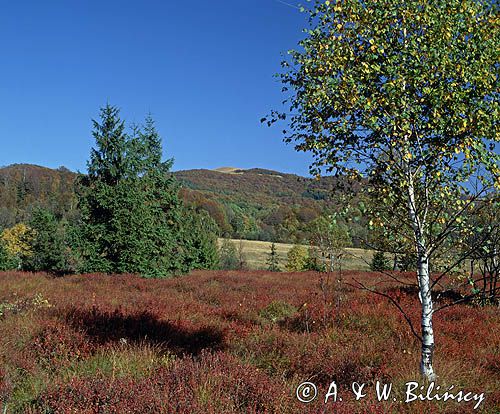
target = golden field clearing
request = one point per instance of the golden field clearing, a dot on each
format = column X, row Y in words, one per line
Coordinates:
column 256, row 253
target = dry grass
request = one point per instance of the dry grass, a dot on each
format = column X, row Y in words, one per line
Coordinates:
column 256, row 254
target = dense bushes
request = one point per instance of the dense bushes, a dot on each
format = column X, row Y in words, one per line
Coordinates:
column 228, row 255
column 301, row 259
column 198, row 240
column 16, row 245
column 49, row 245
column 231, row 257
column 296, row 258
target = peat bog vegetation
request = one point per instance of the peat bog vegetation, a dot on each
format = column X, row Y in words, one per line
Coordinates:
column 398, row 100
column 228, row 342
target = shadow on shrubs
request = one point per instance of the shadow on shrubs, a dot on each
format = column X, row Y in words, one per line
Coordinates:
column 103, row 327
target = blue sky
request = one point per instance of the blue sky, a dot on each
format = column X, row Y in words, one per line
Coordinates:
column 204, row 69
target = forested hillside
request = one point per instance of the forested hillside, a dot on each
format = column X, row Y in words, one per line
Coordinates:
column 253, row 204
column 261, row 204
column 24, row 186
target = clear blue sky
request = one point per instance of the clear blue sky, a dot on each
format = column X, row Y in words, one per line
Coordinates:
column 203, row 68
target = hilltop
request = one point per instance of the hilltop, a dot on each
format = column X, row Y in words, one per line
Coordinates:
column 258, row 185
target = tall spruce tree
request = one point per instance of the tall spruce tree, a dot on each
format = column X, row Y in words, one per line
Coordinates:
column 131, row 213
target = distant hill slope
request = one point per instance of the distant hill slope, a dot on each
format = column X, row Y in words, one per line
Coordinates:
column 253, row 203
column 22, row 186
column 259, row 204
column 258, row 185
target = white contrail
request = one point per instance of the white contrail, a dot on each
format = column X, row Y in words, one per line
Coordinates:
column 288, row 4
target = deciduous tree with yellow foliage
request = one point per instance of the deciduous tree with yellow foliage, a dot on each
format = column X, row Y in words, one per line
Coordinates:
column 404, row 95
column 17, row 242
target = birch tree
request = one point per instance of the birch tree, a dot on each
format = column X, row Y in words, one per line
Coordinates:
column 330, row 239
column 402, row 95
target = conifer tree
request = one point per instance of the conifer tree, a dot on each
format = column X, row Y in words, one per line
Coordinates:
column 272, row 259
column 132, row 218
column 379, row 262
column 7, row 262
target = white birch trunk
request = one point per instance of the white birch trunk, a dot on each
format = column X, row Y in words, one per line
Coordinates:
column 423, row 277
column 427, row 311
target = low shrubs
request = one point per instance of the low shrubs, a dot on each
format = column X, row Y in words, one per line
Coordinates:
column 215, row 383
column 224, row 342
column 277, row 311
column 25, row 304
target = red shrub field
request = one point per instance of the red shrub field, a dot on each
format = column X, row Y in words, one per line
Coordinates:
column 231, row 342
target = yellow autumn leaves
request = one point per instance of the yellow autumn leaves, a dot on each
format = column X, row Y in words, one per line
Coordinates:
column 18, row 240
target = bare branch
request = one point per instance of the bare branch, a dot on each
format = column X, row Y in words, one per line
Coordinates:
column 410, row 323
